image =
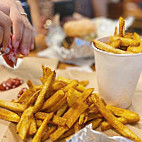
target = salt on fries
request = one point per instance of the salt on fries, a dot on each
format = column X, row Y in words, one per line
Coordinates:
column 60, row 107
column 121, row 43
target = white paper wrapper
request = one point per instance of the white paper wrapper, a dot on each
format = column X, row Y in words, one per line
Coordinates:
column 89, row 135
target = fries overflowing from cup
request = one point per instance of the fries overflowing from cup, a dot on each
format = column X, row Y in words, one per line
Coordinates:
column 121, row 42
column 60, row 107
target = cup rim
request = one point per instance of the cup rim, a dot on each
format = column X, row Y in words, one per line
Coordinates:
column 114, row 54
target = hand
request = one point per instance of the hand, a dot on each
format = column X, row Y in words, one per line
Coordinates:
column 23, row 34
column 5, row 25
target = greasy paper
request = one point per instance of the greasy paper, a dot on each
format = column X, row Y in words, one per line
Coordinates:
column 31, row 69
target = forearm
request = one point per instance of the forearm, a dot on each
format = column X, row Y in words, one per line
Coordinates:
column 35, row 12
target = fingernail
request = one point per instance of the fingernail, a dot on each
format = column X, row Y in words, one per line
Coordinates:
column 16, row 44
column 25, row 51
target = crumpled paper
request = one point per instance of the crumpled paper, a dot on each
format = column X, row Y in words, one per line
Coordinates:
column 78, row 55
column 89, row 135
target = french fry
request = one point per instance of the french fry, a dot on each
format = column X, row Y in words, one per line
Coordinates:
column 129, row 115
column 12, row 106
column 62, row 110
column 53, row 100
column 82, row 118
column 73, row 114
column 115, row 43
column 94, row 116
column 67, row 134
column 125, row 41
column 9, row 115
column 32, row 99
column 33, row 127
column 57, row 106
column 46, row 86
column 38, row 122
column 121, row 27
column 105, row 47
column 24, row 123
column 122, row 129
column 58, row 133
column 49, row 132
column 57, row 85
column 77, row 127
column 115, row 32
column 84, row 83
column 93, row 109
column 135, row 49
column 95, row 123
column 128, row 35
column 59, row 120
column 136, row 36
column 106, row 125
column 38, row 135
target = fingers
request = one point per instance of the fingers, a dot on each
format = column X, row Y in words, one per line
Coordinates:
column 23, row 36
column 5, row 23
column 1, row 36
column 5, row 9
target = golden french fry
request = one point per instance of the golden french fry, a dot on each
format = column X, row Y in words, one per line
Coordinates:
column 62, row 110
column 46, row 86
column 129, row 115
column 93, row 109
column 95, row 123
column 38, row 122
column 135, row 49
column 93, row 116
column 122, row 129
column 84, row 83
column 115, row 43
column 49, row 132
column 38, row 135
column 128, row 35
column 121, row 27
column 58, row 133
column 60, row 121
column 32, row 99
column 57, row 106
column 73, row 113
column 125, row 41
column 9, row 115
column 106, row 125
column 136, row 36
column 82, row 118
column 58, row 85
column 41, row 115
column 67, row 134
column 115, row 32
column 12, row 106
column 24, row 123
column 77, row 127
column 53, row 100
column 105, row 47
column 33, row 127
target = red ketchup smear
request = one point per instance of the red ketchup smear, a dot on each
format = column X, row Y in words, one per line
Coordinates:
column 21, row 92
column 11, row 83
column 11, row 54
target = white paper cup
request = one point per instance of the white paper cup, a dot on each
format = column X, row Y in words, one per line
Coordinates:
column 117, row 75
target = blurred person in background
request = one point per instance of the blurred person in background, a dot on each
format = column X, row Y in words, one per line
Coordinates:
column 41, row 10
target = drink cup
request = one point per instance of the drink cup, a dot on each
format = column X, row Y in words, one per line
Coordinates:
column 117, row 75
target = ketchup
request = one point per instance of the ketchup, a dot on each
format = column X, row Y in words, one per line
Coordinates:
column 11, row 83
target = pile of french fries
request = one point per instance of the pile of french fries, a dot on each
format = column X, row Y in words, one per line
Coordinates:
column 121, row 42
column 60, row 107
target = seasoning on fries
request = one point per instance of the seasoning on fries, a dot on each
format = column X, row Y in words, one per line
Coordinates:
column 121, row 43
column 60, row 107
